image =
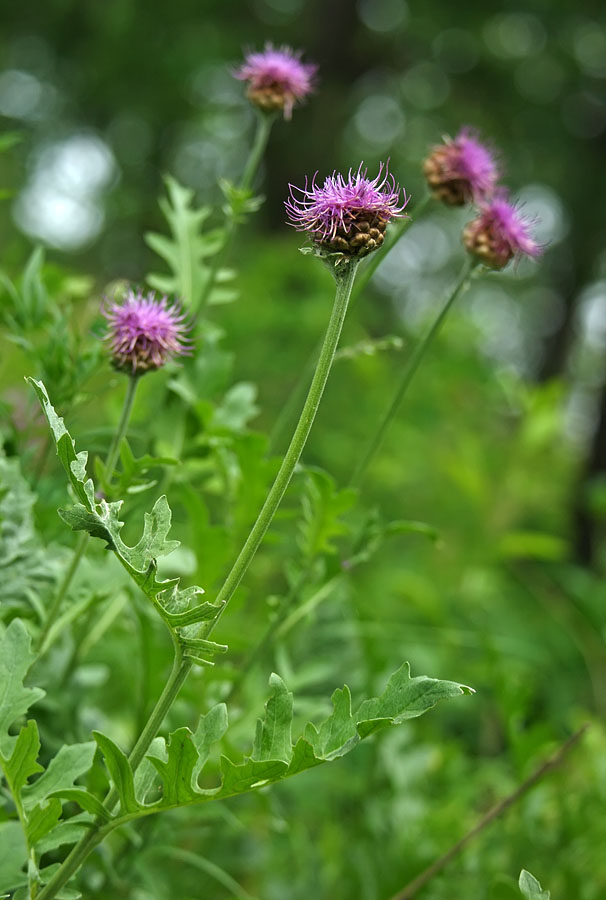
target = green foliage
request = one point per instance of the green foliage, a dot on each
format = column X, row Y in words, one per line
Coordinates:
column 274, row 757
column 101, row 520
column 188, row 250
column 37, row 312
column 239, row 202
column 323, row 506
column 27, row 570
column 530, row 887
column 38, row 809
column 481, row 452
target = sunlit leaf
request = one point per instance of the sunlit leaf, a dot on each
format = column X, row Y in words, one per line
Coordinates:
column 530, row 887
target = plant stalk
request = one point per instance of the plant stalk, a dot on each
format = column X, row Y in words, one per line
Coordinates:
column 264, row 123
column 408, row 374
column 127, row 408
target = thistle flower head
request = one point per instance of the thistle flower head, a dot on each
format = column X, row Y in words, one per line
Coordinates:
column 461, row 170
column 276, row 78
column 500, row 232
column 347, row 215
column 144, row 333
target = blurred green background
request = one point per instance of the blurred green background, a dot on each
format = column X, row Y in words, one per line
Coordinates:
column 501, row 446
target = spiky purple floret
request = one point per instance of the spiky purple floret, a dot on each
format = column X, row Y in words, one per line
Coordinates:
column 340, row 202
column 505, row 221
column 279, row 69
column 473, row 161
column 144, row 332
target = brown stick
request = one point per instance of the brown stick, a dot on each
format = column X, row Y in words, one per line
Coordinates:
column 411, row 889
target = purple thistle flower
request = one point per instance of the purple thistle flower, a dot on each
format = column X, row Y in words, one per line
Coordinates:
column 144, row 333
column 276, row 78
column 500, row 232
column 461, row 170
column 347, row 215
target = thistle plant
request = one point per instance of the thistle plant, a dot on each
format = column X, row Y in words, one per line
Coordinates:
column 58, row 813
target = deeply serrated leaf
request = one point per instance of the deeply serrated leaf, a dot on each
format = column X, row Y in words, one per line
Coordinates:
column 68, row 764
column 102, row 520
column 73, row 463
column 186, row 249
column 15, row 659
column 405, row 698
column 273, row 756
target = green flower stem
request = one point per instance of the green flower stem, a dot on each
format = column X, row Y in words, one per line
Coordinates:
column 371, row 265
column 345, row 275
column 94, row 836
column 264, row 123
column 408, row 374
column 80, row 548
column 127, row 408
